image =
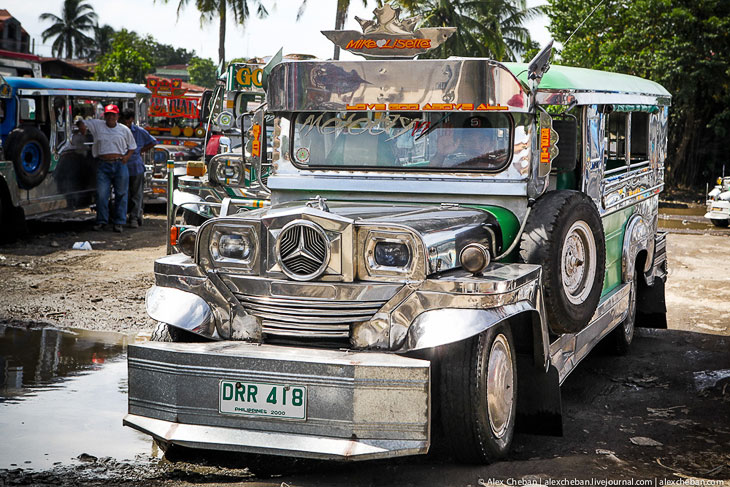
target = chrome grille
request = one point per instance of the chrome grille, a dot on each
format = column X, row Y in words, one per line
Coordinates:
column 302, row 250
column 309, row 318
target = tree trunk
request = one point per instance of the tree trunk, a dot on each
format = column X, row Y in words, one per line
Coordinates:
column 222, row 33
column 681, row 163
column 342, row 7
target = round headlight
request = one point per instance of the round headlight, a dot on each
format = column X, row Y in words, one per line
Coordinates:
column 186, row 241
column 475, row 258
column 392, row 254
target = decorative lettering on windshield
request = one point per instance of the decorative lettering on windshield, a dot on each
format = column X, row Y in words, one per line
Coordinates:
column 435, row 107
column 395, row 125
column 426, row 140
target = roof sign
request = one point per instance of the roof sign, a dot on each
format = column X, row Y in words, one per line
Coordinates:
column 388, row 36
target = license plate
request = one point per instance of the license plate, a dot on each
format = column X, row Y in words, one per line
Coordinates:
column 259, row 399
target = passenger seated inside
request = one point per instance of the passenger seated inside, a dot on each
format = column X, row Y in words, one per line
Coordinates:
column 476, row 145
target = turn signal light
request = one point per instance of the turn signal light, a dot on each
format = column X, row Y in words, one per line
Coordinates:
column 174, row 233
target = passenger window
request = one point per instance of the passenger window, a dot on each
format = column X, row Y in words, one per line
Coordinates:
column 27, row 110
column 59, row 112
column 639, row 137
column 616, row 152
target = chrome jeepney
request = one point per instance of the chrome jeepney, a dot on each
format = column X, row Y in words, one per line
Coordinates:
column 401, row 277
column 226, row 175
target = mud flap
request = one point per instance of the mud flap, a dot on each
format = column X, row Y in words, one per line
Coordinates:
column 539, row 407
column 651, row 307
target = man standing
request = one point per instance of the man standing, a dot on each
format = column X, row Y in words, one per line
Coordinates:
column 135, row 166
column 113, row 145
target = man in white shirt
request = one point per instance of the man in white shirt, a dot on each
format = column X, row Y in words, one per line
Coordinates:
column 113, row 145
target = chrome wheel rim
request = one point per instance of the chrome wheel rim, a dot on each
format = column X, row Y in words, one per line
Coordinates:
column 578, row 262
column 500, row 386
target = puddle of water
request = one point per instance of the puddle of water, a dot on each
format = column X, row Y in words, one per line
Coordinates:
column 672, row 224
column 63, row 393
column 689, row 211
column 705, row 379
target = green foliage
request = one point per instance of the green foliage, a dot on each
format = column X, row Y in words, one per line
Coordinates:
column 682, row 44
column 76, row 18
column 202, row 72
column 123, row 64
column 491, row 29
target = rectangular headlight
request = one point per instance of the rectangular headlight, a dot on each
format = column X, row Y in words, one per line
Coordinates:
column 388, row 254
column 233, row 246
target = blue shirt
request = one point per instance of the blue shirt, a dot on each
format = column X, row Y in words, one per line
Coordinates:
column 142, row 138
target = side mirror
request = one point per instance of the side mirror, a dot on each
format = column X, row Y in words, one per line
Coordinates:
column 225, row 120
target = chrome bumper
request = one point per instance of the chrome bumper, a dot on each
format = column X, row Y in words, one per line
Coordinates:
column 360, row 405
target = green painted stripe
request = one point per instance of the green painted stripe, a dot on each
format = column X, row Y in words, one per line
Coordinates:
column 614, row 226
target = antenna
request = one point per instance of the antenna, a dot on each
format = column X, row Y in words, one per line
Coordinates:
column 581, row 24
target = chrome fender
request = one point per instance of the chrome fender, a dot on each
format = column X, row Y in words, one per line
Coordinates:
column 637, row 237
column 188, row 201
column 443, row 326
column 181, row 309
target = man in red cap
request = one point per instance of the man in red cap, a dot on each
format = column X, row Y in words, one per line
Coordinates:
column 113, row 145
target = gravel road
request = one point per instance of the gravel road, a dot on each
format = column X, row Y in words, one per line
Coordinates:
column 661, row 412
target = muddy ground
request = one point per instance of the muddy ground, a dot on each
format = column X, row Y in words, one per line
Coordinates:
column 660, row 413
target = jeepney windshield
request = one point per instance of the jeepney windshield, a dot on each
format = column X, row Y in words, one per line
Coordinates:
column 403, row 140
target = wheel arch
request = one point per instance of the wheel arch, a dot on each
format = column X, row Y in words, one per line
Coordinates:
column 638, row 249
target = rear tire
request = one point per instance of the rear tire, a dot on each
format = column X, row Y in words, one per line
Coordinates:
column 564, row 235
column 720, row 223
column 29, row 150
column 621, row 337
column 478, row 395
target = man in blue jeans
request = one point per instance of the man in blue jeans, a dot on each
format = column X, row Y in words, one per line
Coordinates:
column 135, row 166
column 113, row 145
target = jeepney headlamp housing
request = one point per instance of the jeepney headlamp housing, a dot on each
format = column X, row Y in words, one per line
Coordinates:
column 227, row 171
column 234, row 246
column 388, row 255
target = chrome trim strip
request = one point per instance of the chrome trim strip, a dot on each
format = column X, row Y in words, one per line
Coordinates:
column 569, row 349
column 287, row 444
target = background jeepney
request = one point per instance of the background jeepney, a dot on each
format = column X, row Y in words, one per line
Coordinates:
column 177, row 119
column 227, row 175
column 47, row 165
column 402, row 279
column 718, row 202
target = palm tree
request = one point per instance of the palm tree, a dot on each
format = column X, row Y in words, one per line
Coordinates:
column 103, row 39
column 76, row 18
column 491, row 28
column 210, row 9
column 341, row 14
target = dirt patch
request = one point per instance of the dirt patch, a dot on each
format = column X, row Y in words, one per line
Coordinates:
column 43, row 280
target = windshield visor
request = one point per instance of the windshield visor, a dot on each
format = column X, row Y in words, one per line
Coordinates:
column 403, row 140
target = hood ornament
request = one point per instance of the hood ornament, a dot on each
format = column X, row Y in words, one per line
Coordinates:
column 318, row 203
column 388, row 36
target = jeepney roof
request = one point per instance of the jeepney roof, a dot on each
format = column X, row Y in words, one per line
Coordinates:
column 51, row 86
column 588, row 81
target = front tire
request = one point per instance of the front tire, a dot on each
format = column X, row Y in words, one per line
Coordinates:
column 478, row 393
column 167, row 333
column 720, row 223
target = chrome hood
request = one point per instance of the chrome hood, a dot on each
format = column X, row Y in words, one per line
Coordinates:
column 434, row 235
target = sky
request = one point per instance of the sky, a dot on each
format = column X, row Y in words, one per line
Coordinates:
column 259, row 37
